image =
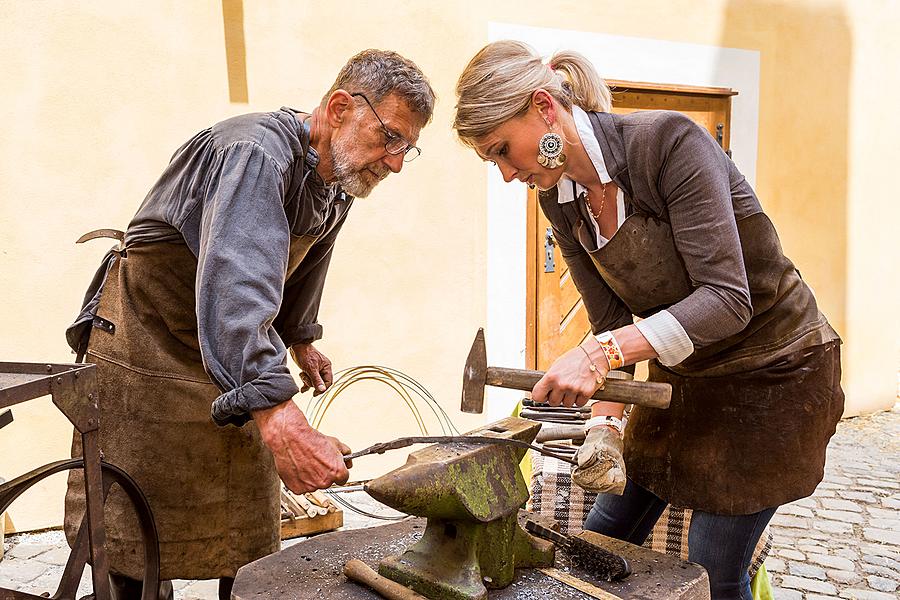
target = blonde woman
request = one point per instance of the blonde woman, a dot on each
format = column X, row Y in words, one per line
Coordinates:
column 654, row 220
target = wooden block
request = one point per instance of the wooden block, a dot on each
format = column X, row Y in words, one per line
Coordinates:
column 302, row 526
column 309, row 517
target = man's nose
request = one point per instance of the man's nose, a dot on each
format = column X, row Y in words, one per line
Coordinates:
column 394, row 162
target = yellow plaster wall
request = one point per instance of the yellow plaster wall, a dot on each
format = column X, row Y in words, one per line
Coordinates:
column 97, row 95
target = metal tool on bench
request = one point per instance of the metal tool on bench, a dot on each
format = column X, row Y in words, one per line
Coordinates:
column 557, row 423
column 470, row 494
column 358, row 571
column 478, row 374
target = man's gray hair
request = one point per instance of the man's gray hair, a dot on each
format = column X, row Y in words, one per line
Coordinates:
column 379, row 73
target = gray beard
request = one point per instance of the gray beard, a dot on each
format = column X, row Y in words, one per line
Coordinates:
column 359, row 183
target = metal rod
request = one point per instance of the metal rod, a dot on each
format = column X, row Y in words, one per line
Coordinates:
column 454, row 439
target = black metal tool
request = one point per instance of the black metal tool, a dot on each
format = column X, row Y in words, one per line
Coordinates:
column 599, row 562
column 405, row 442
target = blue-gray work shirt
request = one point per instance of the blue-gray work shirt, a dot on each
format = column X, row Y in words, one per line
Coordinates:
column 235, row 193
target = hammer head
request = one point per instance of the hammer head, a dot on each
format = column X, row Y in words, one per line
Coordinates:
column 474, row 376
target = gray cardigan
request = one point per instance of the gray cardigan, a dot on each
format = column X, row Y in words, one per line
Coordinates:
column 673, row 169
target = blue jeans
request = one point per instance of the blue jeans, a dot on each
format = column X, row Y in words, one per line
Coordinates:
column 722, row 544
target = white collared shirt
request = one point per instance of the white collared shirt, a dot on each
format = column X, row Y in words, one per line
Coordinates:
column 565, row 191
column 662, row 330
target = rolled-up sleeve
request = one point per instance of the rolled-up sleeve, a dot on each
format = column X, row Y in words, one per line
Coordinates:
column 242, row 259
column 694, row 183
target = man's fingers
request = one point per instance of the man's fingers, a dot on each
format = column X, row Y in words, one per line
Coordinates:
column 317, row 382
column 304, row 378
column 327, row 375
column 343, row 477
column 344, row 449
column 341, row 446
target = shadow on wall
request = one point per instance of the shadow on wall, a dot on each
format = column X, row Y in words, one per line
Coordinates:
column 803, row 163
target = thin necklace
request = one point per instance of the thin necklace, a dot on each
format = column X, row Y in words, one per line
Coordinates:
column 587, row 201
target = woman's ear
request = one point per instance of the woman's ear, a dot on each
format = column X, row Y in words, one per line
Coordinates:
column 543, row 103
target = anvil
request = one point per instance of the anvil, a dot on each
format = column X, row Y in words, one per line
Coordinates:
column 470, row 495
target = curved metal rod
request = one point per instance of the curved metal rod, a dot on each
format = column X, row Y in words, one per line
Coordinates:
column 14, row 488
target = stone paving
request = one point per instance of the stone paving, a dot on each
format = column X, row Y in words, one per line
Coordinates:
column 842, row 542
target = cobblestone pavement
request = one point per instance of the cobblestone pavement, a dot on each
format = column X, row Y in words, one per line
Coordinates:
column 842, row 542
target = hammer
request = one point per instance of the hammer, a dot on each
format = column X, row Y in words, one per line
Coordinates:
column 362, row 573
column 478, row 374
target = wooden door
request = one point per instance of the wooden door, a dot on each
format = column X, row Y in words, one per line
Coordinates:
column 556, row 318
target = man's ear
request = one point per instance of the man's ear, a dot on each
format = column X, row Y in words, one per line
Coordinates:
column 339, row 106
column 542, row 102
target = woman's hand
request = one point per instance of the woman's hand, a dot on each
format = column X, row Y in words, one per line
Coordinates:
column 601, row 468
column 570, row 381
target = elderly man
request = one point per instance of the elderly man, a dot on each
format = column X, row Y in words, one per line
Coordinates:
column 220, row 274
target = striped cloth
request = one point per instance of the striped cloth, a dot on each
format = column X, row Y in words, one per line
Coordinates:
column 553, row 495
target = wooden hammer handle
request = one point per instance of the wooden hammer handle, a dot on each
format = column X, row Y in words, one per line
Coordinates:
column 360, row 572
column 552, row 432
column 640, row 393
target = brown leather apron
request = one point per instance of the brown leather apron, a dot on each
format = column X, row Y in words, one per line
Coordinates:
column 214, row 490
column 750, row 415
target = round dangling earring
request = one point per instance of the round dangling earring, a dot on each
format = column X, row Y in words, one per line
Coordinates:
column 550, row 154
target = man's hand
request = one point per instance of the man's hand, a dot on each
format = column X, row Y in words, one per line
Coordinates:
column 315, row 368
column 600, row 467
column 306, row 460
column 569, row 381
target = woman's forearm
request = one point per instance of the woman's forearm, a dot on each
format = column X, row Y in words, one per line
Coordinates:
column 635, row 348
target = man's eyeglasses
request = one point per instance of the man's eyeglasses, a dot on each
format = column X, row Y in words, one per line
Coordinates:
column 394, row 144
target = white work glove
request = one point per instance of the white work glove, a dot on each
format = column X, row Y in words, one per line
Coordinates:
column 601, row 467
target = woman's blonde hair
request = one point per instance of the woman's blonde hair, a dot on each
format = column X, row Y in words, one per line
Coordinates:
column 499, row 81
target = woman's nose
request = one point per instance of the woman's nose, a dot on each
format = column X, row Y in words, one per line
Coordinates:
column 507, row 172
